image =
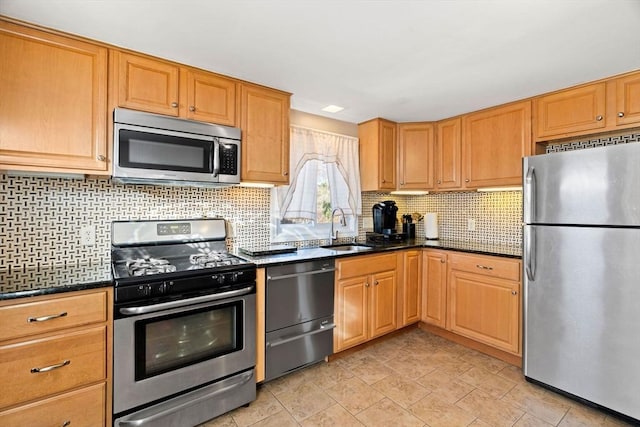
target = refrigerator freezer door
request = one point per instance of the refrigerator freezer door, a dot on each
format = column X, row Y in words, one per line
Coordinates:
column 596, row 186
column 582, row 321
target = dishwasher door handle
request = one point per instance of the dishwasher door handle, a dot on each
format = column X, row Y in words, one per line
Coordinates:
column 304, row 273
column 323, row 328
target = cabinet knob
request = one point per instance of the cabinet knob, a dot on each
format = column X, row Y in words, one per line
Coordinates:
column 192, row 108
column 366, row 284
column 439, row 182
column 174, row 105
column 376, row 283
column 101, row 158
column 466, row 180
column 401, row 182
column 621, row 114
column 514, row 292
column 599, row 118
column 384, row 181
column 442, row 261
column 285, row 173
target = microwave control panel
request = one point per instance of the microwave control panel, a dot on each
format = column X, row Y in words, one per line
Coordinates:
column 228, row 159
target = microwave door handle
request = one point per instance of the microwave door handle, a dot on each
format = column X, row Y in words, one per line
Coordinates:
column 216, row 157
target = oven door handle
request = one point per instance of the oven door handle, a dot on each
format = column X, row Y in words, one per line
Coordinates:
column 184, row 302
column 194, row 397
column 323, row 328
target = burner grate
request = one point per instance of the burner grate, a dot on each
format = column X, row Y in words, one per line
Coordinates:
column 148, row 266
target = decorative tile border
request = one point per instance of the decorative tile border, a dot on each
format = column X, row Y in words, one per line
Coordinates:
column 581, row 143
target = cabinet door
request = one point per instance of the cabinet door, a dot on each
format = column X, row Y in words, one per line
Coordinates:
column 411, row 295
column 628, row 100
column 265, row 135
column 494, row 142
column 434, row 282
column 415, row 156
column 208, row 97
column 485, row 309
column 448, row 164
column 145, row 84
column 569, row 111
column 387, row 160
column 351, row 312
column 383, row 288
column 53, row 110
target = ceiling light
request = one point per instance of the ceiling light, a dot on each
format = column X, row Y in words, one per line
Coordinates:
column 489, row 189
column 332, row 108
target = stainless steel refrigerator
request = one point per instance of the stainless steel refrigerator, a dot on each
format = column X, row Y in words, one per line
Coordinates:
column 582, row 274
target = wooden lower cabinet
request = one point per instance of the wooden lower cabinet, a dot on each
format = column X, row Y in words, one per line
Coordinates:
column 474, row 296
column 409, row 289
column 84, row 407
column 55, row 357
column 365, row 299
column 434, row 288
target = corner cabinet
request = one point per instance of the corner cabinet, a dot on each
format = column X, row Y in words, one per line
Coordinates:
column 434, row 288
column 144, row 83
column 448, row 160
column 54, row 95
column 494, row 142
column 377, row 155
column 55, row 356
column 264, row 120
column 409, row 289
column 416, row 147
column 365, row 299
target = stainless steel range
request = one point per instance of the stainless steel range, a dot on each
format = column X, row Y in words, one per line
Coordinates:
column 184, row 329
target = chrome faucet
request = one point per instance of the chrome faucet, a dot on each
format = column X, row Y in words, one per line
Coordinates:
column 343, row 222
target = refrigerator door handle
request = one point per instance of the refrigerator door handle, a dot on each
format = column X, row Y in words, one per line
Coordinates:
column 529, row 195
column 530, row 252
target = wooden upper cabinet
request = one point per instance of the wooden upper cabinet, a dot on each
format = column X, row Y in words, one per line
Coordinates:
column 377, row 155
column 628, row 100
column 265, row 134
column 494, row 142
column 208, row 97
column 53, row 107
column 415, row 156
column 146, row 84
column 569, row 111
column 448, row 154
column 162, row 87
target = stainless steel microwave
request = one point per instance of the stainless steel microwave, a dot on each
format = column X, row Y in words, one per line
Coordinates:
column 155, row 149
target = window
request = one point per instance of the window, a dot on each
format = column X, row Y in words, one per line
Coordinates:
column 325, row 176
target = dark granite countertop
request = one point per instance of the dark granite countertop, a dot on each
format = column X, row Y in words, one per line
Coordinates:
column 307, row 254
column 34, row 281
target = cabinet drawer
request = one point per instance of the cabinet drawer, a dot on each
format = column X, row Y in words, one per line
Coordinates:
column 81, row 408
column 84, row 350
column 489, row 266
column 363, row 265
column 22, row 320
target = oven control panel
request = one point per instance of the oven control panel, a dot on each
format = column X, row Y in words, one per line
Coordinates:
column 221, row 281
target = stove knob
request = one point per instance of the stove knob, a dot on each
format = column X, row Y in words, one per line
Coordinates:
column 144, row 290
column 221, row 279
column 165, row 287
column 234, row 277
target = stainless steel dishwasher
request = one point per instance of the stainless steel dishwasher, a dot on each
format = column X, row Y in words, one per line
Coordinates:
column 299, row 316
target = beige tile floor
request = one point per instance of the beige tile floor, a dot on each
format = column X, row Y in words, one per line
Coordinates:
column 411, row 379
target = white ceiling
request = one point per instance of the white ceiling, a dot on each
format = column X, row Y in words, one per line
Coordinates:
column 405, row 60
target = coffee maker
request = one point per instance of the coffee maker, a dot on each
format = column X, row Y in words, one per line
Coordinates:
column 384, row 223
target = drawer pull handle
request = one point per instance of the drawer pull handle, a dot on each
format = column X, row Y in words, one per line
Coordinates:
column 66, row 423
column 50, row 368
column 45, row 318
column 484, row 267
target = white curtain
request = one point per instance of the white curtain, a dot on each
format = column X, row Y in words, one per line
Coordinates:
column 309, row 150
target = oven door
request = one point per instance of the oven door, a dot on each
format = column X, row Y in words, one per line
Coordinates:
column 161, row 353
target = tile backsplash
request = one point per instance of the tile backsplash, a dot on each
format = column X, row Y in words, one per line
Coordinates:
column 40, row 218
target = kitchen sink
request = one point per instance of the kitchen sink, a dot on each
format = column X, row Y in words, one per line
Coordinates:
column 348, row 247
